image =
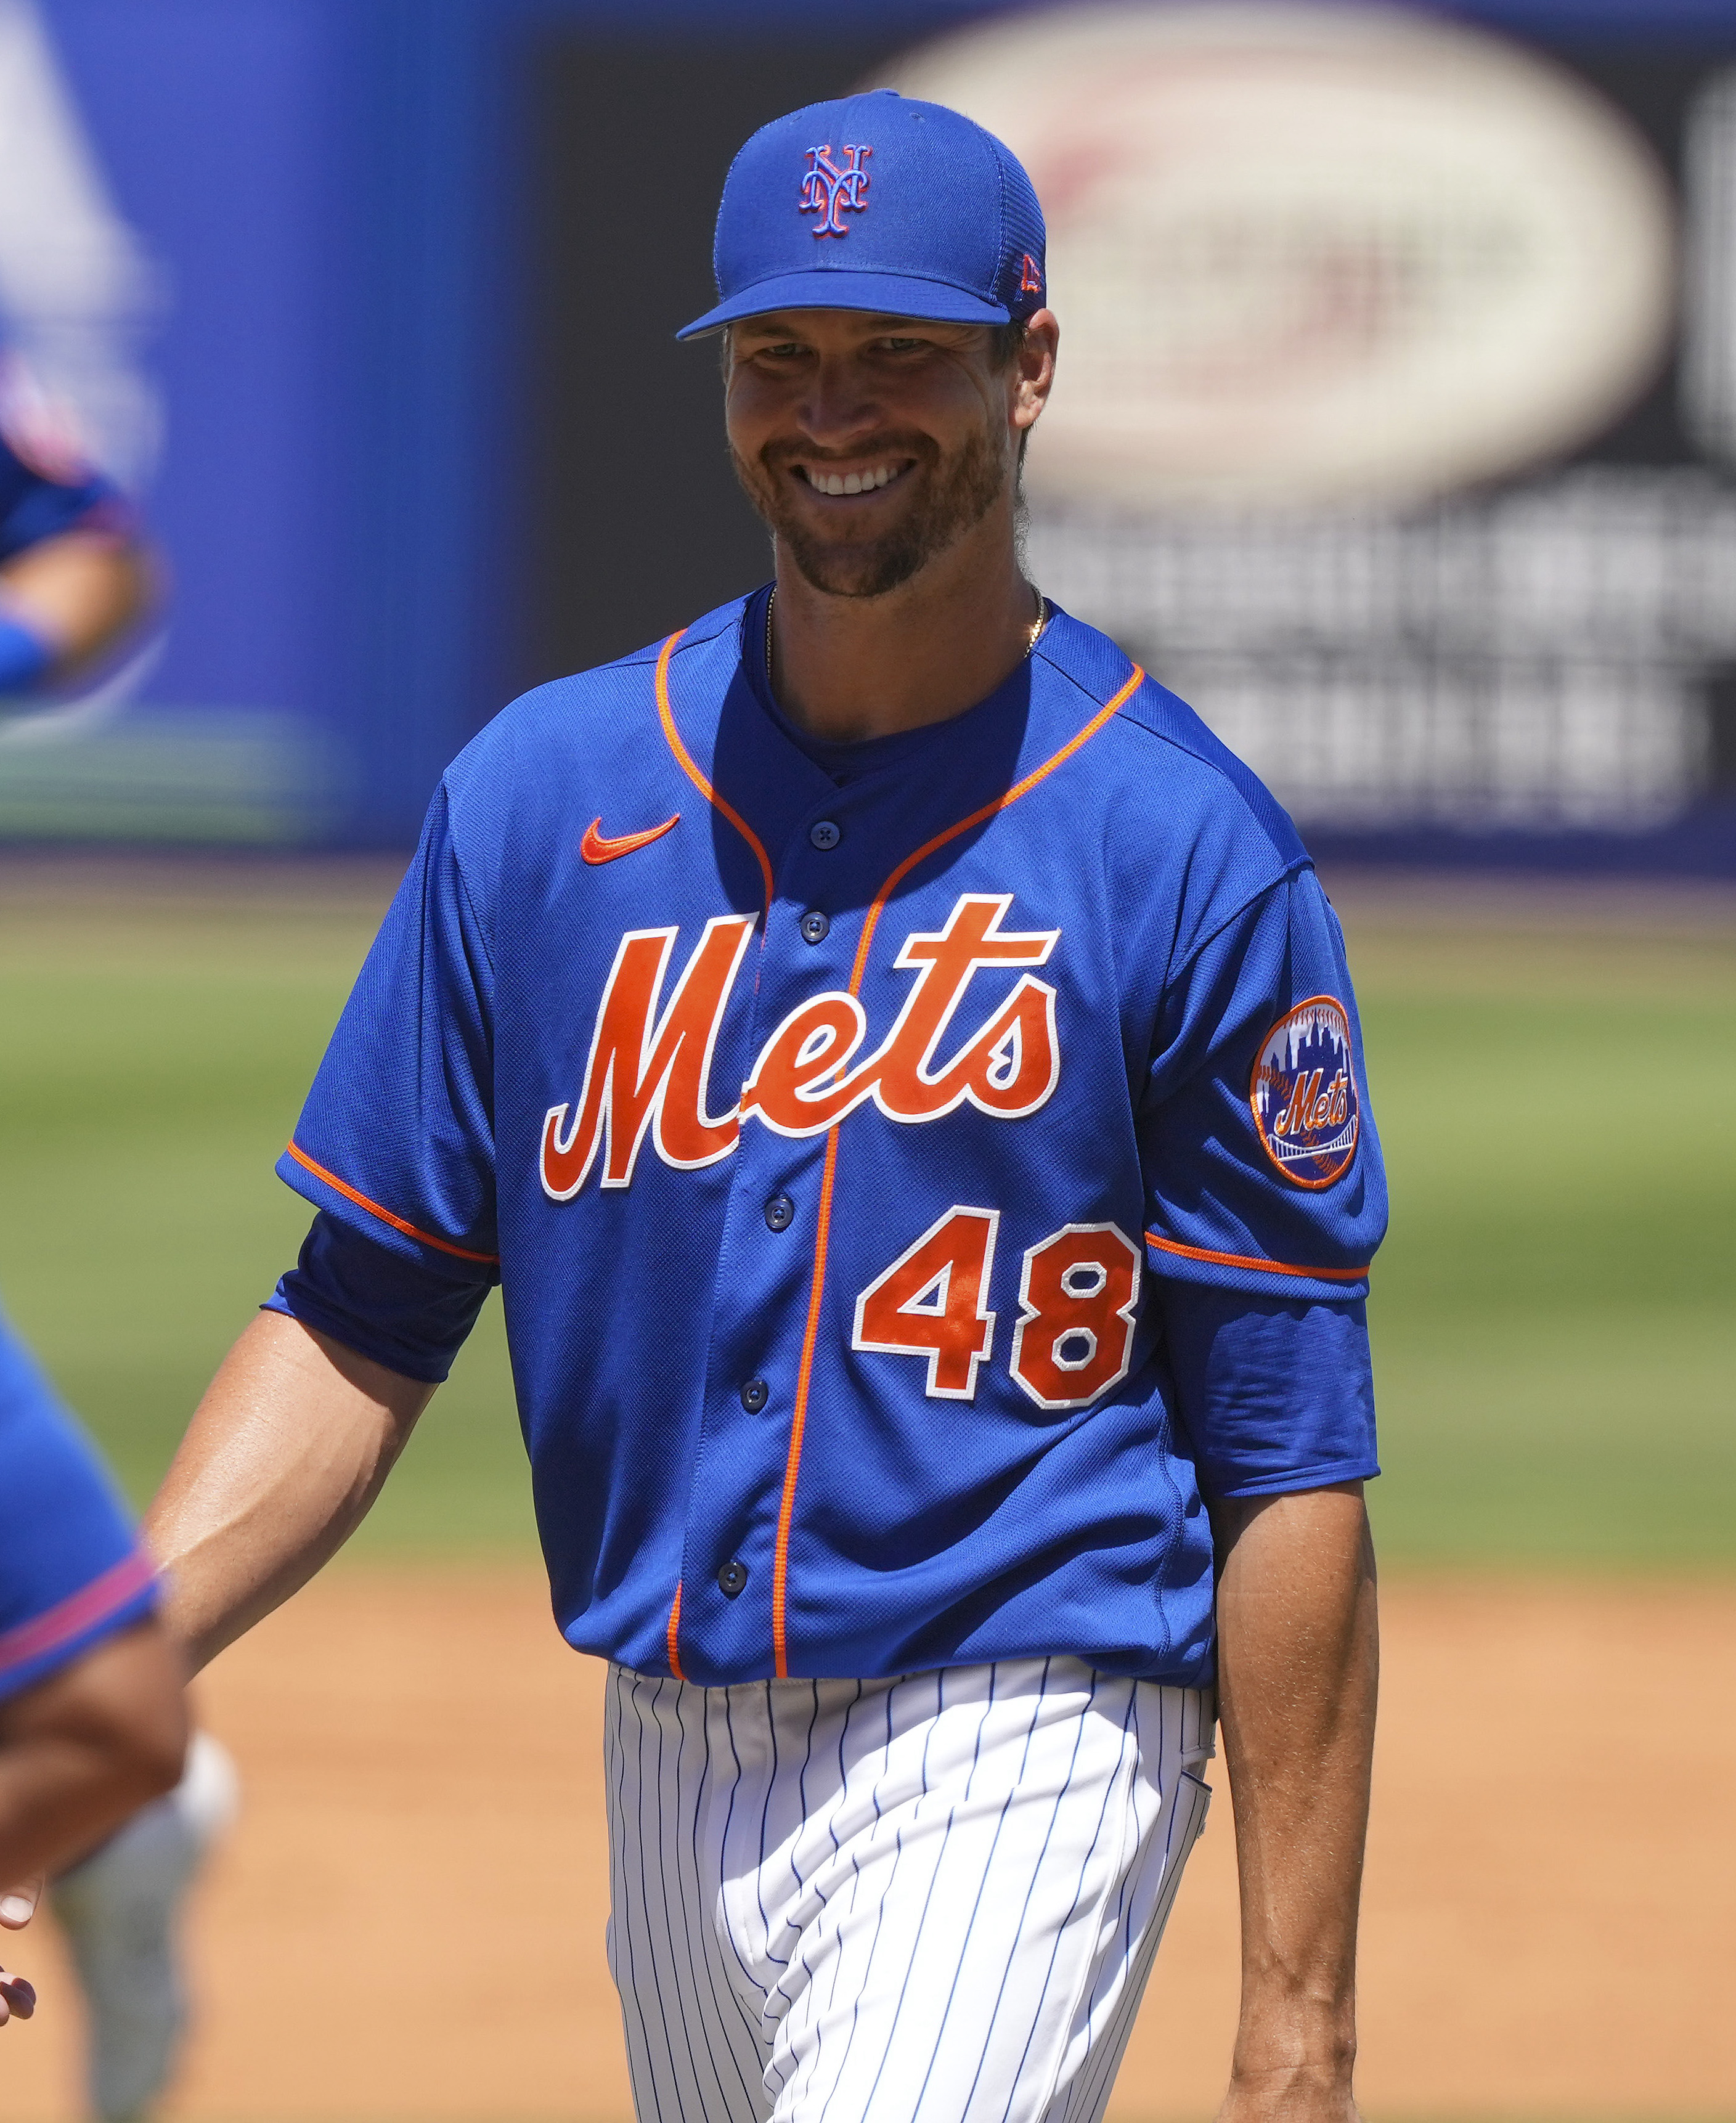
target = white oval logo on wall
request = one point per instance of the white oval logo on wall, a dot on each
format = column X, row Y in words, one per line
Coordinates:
column 1304, row 1092
column 1305, row 254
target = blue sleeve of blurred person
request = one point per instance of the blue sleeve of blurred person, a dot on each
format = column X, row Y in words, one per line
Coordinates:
column 71, row 1569
column 34, row 506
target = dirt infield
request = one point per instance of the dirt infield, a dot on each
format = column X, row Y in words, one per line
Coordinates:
column 408, row 1924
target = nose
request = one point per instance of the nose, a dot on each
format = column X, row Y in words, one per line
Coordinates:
column 839, row 406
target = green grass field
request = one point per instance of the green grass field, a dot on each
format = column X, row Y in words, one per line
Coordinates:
column 1555, row 1337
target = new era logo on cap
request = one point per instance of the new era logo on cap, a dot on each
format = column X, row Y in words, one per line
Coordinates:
column 829, row 191
column 945, row 225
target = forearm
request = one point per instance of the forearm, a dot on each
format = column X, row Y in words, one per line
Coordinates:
column 1299, row 1664
column 282, row 1460
column 88, row 1746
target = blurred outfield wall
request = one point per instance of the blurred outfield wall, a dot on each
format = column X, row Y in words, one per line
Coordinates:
column 1397, row 426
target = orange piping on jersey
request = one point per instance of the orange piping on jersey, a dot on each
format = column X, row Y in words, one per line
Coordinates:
column 805, row 1375
column 1009, row 796
column 799, row 1419
column 1247, row 1260
column 674, row 1631
column 684, row 759
column 397, row 1223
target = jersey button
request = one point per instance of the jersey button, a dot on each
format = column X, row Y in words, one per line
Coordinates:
column 815, row 925
column 754, row 1395
column 732, row 1577
column 825, row 834
column 780, row 1213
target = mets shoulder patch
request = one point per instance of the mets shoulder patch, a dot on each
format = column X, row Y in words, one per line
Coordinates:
column 1304, row 1092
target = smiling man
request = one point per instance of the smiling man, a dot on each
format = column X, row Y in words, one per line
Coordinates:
column 902, row 1070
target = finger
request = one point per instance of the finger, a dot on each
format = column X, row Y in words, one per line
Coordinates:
column 17, row 1995
column 18, row 1905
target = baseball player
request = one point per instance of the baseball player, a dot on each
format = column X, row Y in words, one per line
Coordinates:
column 77, row 576
column 902, row 1072
column 92, row 1720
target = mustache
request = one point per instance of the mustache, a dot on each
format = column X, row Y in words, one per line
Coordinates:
column 780, row 456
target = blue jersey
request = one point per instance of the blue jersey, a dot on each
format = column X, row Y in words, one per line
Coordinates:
column 71, row 1572
column 883, row 1151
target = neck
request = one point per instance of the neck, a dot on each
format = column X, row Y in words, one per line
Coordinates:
column 849, row 668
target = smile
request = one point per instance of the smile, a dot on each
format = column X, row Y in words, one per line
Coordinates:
column 852, row 482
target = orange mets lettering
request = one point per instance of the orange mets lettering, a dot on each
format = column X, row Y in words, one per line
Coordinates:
column 648, row 1075
column 637, row 1078
column 1309, row 1107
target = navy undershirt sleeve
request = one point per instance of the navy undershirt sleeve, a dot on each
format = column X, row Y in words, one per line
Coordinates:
column 410, row 1315
column 1275, row 1394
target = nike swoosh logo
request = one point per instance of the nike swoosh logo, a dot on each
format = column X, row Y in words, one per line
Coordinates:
column 599, row 847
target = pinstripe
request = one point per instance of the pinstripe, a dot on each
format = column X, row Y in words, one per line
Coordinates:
column 934, row 1877
column 1025, row 1908
column 658, row 1962
column 673, row 1809
column 855, row 1876
column 1124, row 1911
column 985, row 1856
column 621, row 1910
column 801, row 1959
column 765, row 1815
column 881, row 1906
column 1083, row 1981
column 729, row 1822
column 1096, row 2074
column 670, row 1813
column 727, row 2015
column 1184, row 1821
column 994, row 1845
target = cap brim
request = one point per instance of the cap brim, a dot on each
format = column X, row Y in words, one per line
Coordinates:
column 833, row 288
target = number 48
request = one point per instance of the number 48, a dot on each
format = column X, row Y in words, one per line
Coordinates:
column 1077, row 1293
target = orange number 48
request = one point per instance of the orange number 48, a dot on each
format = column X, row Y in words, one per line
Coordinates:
column 1078, row 1293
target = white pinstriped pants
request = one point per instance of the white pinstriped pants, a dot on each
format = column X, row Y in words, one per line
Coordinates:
column 929, row 1899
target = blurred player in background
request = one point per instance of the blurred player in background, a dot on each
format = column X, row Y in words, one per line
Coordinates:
column 92, row 1724
column 78, row 578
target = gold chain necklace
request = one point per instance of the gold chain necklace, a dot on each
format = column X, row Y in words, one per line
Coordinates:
column 1037, row 625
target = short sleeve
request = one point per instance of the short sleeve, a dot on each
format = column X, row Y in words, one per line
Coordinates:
column 71, row 1570
column 413, row 1316
column 1263, row 1170
column 396, row 1137
column 1276, row 1393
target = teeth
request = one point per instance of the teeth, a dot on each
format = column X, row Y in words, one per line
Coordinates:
column 853, row 482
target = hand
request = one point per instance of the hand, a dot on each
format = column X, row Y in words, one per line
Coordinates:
column 17, row 1906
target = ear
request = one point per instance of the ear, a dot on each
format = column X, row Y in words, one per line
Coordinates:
column 1034, row 370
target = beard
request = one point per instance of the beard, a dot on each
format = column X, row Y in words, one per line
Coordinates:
column 948, row 498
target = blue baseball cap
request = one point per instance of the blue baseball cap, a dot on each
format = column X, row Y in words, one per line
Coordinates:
column 877, row 202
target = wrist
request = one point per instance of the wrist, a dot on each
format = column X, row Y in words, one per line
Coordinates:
column 1298, row 2039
